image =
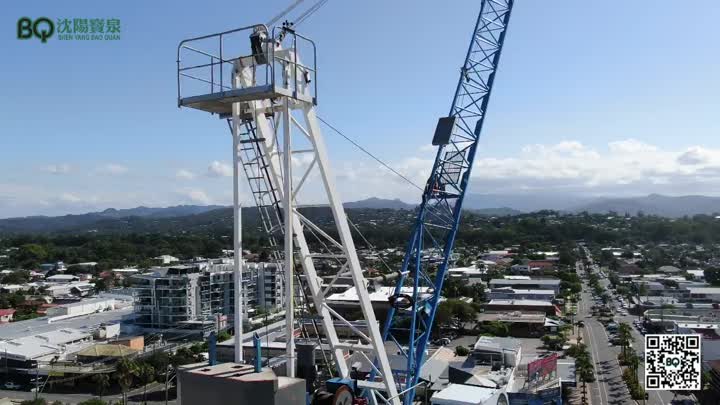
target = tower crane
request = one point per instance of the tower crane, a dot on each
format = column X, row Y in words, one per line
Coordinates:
column 418, row 290
column 268, row 97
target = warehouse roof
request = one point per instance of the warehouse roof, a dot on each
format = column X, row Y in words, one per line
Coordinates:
column 544, row 281
column 461, row 394
column 537, row 303
column 42, row 344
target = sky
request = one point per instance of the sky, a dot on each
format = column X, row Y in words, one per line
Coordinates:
column 592, row 98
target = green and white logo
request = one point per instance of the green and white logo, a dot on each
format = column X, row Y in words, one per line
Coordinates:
column 69, row 29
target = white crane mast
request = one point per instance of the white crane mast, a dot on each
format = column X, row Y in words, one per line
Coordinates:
column 273, row 94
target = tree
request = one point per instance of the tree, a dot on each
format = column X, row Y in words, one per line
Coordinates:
column 712, row 276
column 31, row 255
column 94, row 401
column 461, row 351
column 102, row 382
column 625, row 336
column 146, row 373
column 127, row 370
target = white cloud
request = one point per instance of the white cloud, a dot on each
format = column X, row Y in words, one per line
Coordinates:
column 195, row 196
column 183, row 174
column 60, row 168
column 219, row 169
column 113, row 169
column 70, row 198
column 698, row 155
column 626, row 166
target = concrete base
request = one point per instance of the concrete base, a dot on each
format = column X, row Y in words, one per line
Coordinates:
column 236, row 383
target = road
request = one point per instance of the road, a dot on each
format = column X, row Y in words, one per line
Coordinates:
column 155, row 395
column 610, row 384
column 609, row 388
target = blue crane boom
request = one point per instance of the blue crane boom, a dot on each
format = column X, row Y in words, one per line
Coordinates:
column 417, row 292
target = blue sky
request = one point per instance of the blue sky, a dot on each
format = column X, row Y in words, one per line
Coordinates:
column 592, row 97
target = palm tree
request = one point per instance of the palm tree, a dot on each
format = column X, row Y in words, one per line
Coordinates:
column 102, row 381
column 127, row 369
column 583, row 367
column 146, row 372
column 625, row 336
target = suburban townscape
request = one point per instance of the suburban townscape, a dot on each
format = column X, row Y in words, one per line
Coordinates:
column 123, row 325
column 330, row 251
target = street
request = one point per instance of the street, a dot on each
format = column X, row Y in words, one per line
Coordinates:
column 155, row 395
column 610, row 388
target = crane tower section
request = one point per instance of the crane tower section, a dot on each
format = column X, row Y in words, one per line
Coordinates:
column 428, row 253
column 267, row 90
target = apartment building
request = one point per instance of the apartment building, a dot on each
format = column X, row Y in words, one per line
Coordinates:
column 172, row 296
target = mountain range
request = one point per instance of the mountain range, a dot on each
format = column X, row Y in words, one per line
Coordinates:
column 147, row 219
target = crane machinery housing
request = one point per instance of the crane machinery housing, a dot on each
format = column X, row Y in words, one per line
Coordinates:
column 268, row 96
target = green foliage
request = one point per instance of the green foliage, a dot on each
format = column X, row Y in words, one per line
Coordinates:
column 637, row 392
column 16, row 277
column 39, row 401
column 712, row 276
column 93, row 401
column 453, row 288
column 583, row 362
column 494, row 328
column 223, row 335
column 462, row 351
column 554, row 342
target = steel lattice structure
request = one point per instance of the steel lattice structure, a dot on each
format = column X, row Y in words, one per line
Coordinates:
column 418, row 291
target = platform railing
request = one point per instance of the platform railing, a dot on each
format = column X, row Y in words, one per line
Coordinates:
column 207, row 59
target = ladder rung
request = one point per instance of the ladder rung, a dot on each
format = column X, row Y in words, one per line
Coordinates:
column 252, row 140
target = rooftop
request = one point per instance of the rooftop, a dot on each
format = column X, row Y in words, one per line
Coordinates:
column 538, row 303
column 544, row 281
column 42, row 344
column 704, row 290
column 491, row 343
column 15, row 330
column 461, row 394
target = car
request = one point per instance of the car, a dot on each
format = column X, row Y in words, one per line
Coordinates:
column 442, row 342
column 10, row 385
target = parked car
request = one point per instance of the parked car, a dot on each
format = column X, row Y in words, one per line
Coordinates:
column 442, row 341
column 10, row 385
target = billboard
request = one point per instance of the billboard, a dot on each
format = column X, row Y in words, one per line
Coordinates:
column 542, row 370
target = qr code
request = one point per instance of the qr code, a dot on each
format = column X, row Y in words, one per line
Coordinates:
column 672, row 362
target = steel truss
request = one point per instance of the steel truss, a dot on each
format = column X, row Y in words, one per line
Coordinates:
column 439, row 213
column 274, row 126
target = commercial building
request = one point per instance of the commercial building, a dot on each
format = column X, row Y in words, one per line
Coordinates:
column 508, row 293
column 534, row 284
column 177, row 295
column 522, row 306
column 84, row 307
column 467, row 275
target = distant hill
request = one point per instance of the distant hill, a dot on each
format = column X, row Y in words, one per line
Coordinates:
column 496, row 212
column 655, row 204
column 42, row 224
column 175, row 211
column 524, row 202
column 197, row 218
column 380, row 203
